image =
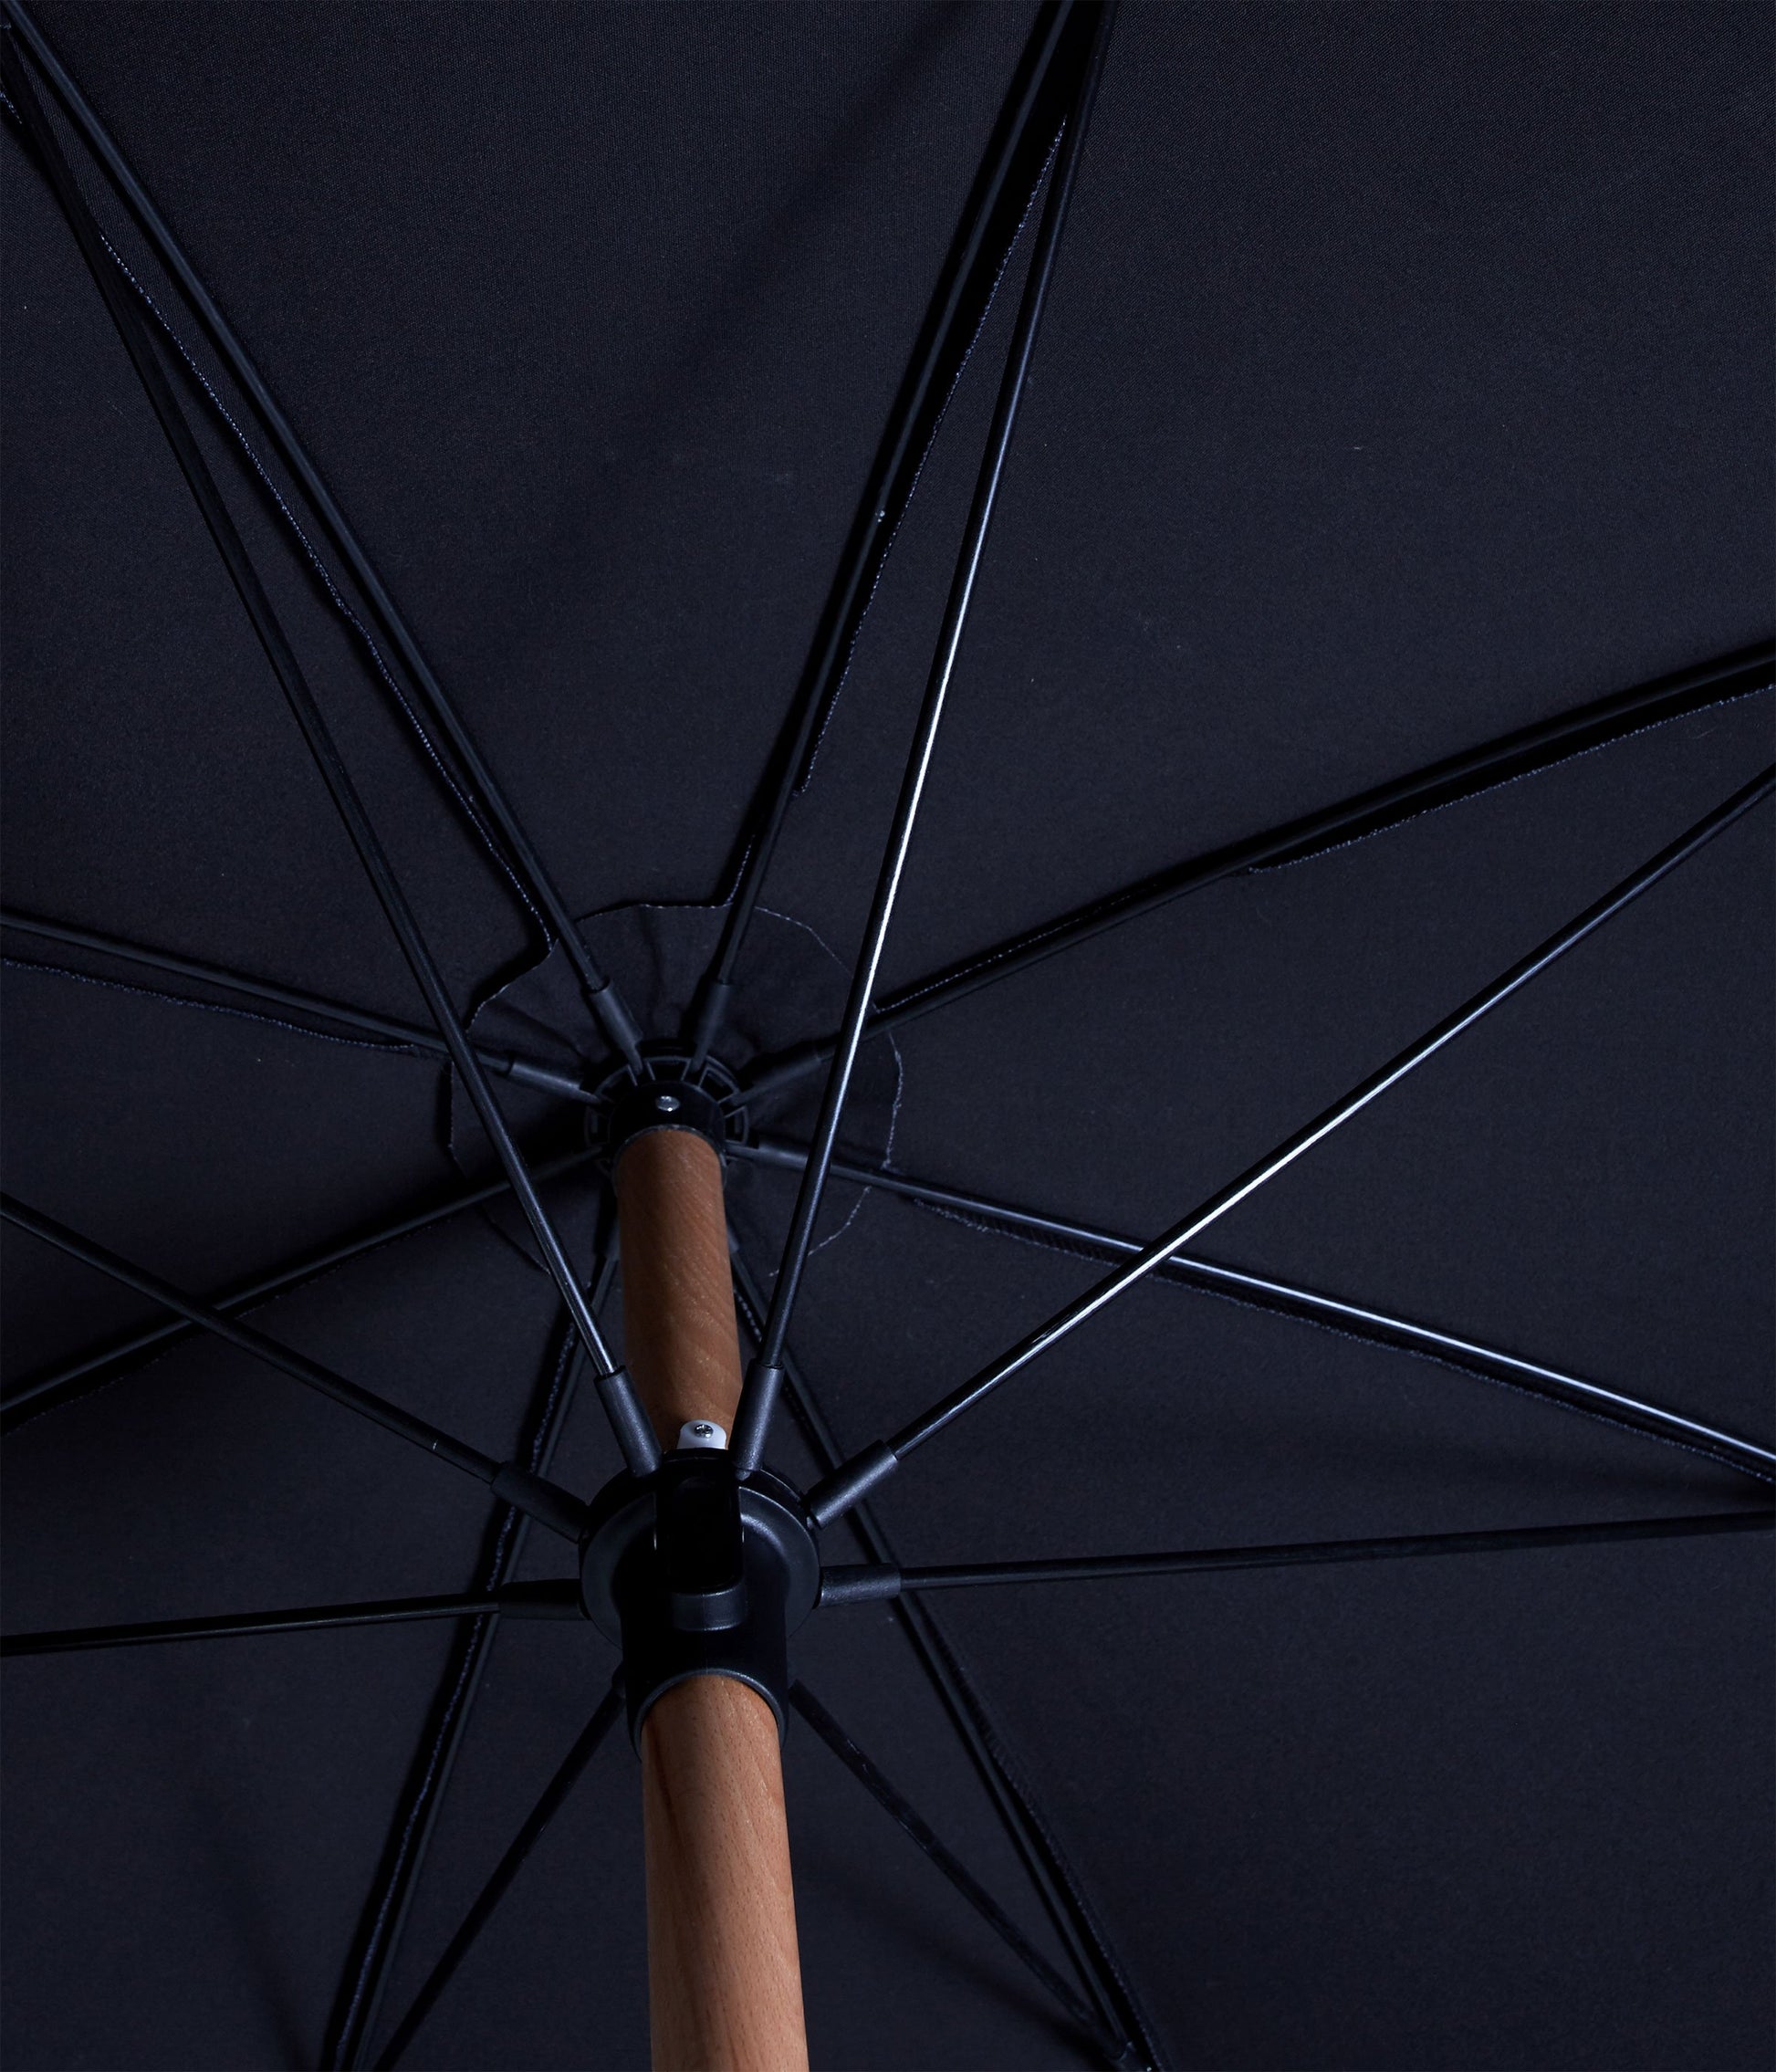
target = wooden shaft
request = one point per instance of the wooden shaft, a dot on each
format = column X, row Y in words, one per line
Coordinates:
column 724, row 1973
column 681, row 1341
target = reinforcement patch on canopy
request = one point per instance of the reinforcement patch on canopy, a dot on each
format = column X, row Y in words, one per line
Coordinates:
column 791, row 987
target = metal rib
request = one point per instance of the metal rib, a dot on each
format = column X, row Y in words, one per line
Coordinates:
column 384, row 1921
column 1009, row 172
column 601, row 996
column 753, row 1417
column 831, row 1497
column 905, row 1816
column 867, row 1583
column 1741, row 674
column 555, row 1797
column 404, row 1035
column 552, row 1506
column 520, row 1600
column 1050, row 1876
column 1396, row 1332
column 109, row 1362
column 624, row 1411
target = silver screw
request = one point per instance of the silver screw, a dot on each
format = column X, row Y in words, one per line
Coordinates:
column 665, row 1103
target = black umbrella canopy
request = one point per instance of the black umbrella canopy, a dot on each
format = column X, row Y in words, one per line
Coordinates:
column 1402, row 387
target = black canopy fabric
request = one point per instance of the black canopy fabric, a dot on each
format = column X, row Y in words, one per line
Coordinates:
column 1403, row 382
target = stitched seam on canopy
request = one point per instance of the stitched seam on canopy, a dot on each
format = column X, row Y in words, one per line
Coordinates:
column 1333, row 844
column 390, row 1048
column 1033, row 939
column 900, row 1084
column 668, row 906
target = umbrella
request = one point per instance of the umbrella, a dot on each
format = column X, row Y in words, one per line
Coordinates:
column 1129, row 660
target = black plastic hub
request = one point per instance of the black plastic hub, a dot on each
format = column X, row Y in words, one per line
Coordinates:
column 670, row 1096
column 696, row 1571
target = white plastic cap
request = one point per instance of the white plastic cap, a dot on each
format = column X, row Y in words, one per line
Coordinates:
column 702, row 1433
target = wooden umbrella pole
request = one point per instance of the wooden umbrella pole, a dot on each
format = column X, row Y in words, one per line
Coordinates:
column 724, row 1973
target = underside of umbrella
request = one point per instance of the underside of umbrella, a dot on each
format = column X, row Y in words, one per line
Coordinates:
column 950, row 826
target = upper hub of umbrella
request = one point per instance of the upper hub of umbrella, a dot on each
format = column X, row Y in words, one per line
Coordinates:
column 676, row 1093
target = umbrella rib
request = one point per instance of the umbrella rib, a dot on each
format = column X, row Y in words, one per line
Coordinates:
column 918, row 1831
column 752, row 1420
column 864, row 1583
column 832, row 1496
column 1745, row 673
column 521, row 1600
column 555, row 1796
column 393, row 1034
column 1398, row 1333
column 869, row 1581
column 601, row 996
column 448, row 770
column 108, row 1363
column 384, row 1917
column 1009, row 172
column 547, row 1503
column 628, row 1421
column 1050, row 1876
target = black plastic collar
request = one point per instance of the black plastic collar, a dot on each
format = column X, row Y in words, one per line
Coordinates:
column 698, row 1572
